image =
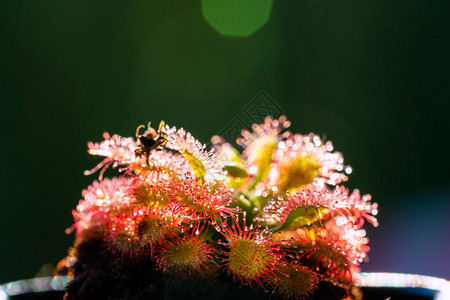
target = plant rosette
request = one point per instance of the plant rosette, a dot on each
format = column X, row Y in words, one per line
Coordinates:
column 181, row 221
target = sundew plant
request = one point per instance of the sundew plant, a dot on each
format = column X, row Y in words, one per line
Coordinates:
column 183, row 221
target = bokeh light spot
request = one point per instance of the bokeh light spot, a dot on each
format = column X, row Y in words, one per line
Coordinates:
column 236, row 17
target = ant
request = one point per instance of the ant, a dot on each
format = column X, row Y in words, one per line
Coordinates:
column 150, row 140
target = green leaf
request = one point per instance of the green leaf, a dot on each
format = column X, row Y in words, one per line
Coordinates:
column 231, row 158
column 263, row 158
column 242, row 202
column 235, row 169
column 302, row 216
column 195, row 164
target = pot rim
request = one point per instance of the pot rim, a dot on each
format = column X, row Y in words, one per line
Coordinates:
column 365, row 279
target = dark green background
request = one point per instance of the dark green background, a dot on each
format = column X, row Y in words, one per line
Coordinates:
column 371, row 75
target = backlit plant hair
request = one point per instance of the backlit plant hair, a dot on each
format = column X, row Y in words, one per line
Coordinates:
column 273, row 218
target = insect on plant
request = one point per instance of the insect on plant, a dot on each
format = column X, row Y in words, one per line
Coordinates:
column 150, row 140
